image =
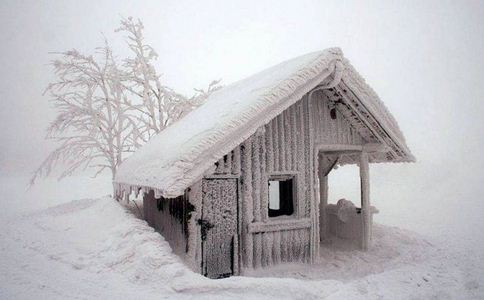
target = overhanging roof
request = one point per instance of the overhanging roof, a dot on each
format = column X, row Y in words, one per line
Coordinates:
column 181, row 154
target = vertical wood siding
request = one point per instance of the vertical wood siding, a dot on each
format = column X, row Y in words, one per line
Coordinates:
column 329, row 131
column 282, row 146
column 170, row 218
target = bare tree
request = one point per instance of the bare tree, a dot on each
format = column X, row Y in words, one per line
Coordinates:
column 158, row 105
column 107, row 109
column 92, row 126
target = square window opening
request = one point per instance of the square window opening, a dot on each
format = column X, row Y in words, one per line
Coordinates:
column 281, row 196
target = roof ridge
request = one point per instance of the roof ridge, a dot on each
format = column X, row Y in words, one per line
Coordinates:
column 185, row 151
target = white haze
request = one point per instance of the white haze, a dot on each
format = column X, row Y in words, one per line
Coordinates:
column 424, row 58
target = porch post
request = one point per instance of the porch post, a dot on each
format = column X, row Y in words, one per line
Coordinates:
column 365, row 200
column 322, row 208
column 323, row 200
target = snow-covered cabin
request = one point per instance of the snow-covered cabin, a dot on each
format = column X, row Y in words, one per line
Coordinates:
column 241, row 182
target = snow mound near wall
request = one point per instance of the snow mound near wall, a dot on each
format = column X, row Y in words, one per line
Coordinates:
column 95, row 248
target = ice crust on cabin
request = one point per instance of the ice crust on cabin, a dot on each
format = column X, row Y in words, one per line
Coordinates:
column 181, row 154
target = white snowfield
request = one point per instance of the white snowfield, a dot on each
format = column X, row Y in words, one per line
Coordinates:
column 181, row 154
column 98, row 249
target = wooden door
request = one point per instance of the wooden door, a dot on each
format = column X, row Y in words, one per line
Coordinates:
column 219, row 227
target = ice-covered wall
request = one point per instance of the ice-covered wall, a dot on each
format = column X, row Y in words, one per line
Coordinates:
column 328, row 130
column 169, row 217
column 283, row 146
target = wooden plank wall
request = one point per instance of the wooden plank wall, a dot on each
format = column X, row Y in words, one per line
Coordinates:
column 329, row 131
column 168, row 217
column 281, row 146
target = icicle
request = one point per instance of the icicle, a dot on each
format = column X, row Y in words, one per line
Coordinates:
column 236, row 161
column 264, row 192
column 267, row 249
column 269, row 149
column 277, row 247
column 301, row 156
column 275, row 147
column 282, row 141
column 228, row 163
column 247, row 202
column 288, row 139
column 256, row 182
column 307, row 156
column 256, row 177
column 219, row 166
column 294, row 139
column 283, row 245
column 258, row 250
column 291, row 242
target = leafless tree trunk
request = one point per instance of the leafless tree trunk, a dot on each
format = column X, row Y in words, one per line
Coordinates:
column 92, row 126
column 106, row 109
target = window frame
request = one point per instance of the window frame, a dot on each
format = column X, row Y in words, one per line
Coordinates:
column 283, row 176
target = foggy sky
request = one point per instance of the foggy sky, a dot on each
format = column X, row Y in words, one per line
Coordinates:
column 424, row 58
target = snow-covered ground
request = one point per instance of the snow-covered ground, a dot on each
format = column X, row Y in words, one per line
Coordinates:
column 53, row 246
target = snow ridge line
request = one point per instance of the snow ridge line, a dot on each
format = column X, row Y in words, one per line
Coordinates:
column 170, row 173
column 191, row 166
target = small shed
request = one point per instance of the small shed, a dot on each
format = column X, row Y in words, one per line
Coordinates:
column 241, row 182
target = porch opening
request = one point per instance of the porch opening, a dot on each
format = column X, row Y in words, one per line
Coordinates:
column 344, row 183
column 345, row 211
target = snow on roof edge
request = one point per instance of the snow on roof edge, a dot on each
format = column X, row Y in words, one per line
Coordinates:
column 364, row 90
column 177, row 175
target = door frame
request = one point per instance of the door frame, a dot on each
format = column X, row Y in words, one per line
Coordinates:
column 236, row 263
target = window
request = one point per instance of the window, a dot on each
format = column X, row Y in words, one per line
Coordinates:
column 281, row 195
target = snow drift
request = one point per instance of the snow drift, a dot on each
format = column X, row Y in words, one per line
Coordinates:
column 96, row 248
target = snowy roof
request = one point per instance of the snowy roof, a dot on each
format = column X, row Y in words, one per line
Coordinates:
column 180, row 155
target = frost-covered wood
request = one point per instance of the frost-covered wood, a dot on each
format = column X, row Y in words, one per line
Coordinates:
column 325, row 164
column 246, row 201
column 301, row 138
column 236, row 112
column 219, row 227
column 261, row 155
column 330, row 131
column 279, row 225
column 365, row 200
column 194, row 235
column 265, row 154
column 170, row 218
column 323, row 221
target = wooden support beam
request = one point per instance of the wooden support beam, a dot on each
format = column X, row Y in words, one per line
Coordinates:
column 375, row 147
column 340, row 88
column 312, row 175
column 323, row 195
column 365, row 200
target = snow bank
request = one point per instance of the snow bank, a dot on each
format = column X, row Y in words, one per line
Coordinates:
column 95, row 248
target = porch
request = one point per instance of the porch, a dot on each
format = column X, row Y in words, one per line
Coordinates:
column 344, row 220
